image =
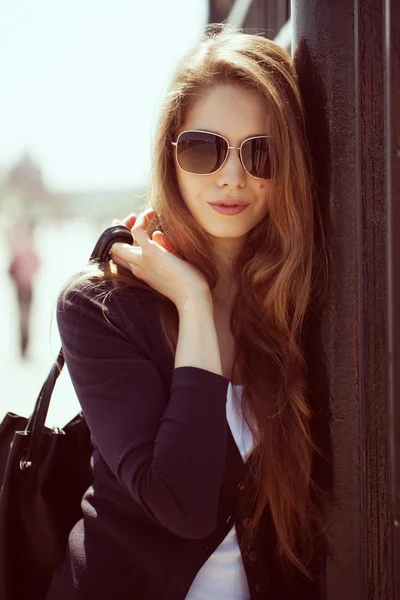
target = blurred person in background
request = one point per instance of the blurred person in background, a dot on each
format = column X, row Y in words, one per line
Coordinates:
column 23, row 266
column 185, row 351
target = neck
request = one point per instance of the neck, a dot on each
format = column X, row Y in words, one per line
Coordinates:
column 225, row 251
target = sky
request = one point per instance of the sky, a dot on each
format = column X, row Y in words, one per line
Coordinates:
column 81, row 83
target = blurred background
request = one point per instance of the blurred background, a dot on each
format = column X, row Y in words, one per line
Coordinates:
column 81, row 85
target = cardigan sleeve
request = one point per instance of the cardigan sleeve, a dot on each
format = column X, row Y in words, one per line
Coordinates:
column 168, row 452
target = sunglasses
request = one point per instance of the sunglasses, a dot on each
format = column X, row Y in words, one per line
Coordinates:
column 204, row 153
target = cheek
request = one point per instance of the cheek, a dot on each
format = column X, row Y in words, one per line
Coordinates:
column 263, row 192
column 190, row 188
column 182, row 184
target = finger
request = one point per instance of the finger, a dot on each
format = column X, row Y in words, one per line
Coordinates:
column 122, row 263
column 139, row 229
column 130, row 220
column 163, row 240
column 125, row 255
column 157, row 236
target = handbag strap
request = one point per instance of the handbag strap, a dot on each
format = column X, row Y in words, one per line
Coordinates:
column 36, row 423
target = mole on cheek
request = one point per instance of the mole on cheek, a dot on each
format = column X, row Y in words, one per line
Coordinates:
column 261, row 186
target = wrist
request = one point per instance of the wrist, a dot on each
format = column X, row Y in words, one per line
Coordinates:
column 195, row 299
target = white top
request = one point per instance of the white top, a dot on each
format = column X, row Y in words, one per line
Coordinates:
column 222, row 577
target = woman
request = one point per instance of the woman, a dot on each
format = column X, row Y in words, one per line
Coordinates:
column 185, row 352
column 23, row 267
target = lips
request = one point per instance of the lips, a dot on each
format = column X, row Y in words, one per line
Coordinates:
column 229, row 202
column 230, row 209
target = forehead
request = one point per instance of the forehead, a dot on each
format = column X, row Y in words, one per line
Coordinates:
column 232, row 111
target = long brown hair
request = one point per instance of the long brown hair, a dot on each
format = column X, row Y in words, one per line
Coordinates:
column 276, row 271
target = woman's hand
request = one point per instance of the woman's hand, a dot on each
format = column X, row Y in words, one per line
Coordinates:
column 155, row 262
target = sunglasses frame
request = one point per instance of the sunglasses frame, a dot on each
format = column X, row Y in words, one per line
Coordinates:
column 254, row 137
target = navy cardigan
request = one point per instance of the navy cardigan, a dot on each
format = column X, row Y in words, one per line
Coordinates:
column 168, row 478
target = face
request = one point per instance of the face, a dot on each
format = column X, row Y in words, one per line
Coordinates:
column 236, row 114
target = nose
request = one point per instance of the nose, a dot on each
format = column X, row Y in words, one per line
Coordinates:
column 232, row 173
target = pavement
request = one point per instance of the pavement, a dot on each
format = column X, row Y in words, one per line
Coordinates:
column 64, row 248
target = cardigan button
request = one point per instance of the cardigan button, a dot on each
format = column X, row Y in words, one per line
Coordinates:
column 257, row 588
column 246, row 522
column 241, row 485
column 252, row 555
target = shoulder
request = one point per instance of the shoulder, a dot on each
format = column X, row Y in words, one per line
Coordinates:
column 83, row 288
column 115, row 305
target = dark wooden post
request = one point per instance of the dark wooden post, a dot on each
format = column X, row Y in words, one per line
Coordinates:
column 393, row 199
column 348, row 78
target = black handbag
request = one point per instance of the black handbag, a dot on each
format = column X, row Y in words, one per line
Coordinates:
column 43, row 473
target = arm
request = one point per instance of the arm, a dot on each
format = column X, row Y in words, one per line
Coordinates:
column 169, row 453
column 197, row 340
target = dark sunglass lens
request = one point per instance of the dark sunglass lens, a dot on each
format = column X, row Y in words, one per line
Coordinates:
column 201, row 153
column 256, row 157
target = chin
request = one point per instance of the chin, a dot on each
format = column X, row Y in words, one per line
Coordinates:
column 226, row 232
